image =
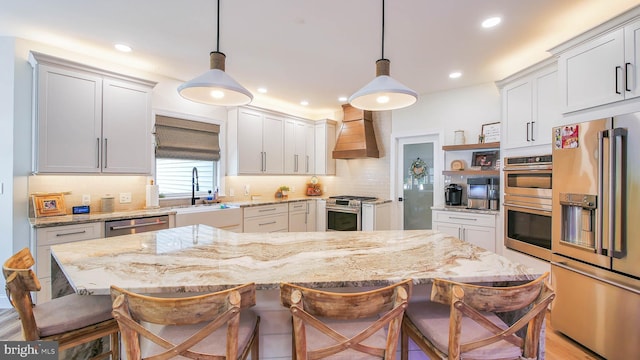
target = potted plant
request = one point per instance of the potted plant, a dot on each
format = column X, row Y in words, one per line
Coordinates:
column 284, row 190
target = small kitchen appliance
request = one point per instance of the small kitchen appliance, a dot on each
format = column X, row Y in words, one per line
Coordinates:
column 453, row 195
column 480, row 190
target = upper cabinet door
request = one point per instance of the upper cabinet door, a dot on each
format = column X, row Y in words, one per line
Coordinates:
column 592, row 74
column 273, row 144
column 249, row 142
column 632, row 59
column 126, row 128
column 517, row 102
column 68, row 121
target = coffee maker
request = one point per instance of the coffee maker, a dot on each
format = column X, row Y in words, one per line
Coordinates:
column 453, row 195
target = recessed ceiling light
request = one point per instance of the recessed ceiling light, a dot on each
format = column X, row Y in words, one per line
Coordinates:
column 262, row 90
column 491, row 22
column 343, row 98
column 304, row 103
column 122, row 47
column 455, row 74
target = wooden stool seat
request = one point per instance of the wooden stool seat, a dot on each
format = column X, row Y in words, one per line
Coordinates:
column 339, row 325
column 216, row 325
column 460, row 321
column 70, row 320
column 435, row 325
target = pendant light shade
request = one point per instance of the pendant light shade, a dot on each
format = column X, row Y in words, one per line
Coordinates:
column 383, row 92
column 215, row 87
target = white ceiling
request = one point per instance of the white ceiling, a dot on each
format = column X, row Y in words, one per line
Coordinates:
column 313, row 50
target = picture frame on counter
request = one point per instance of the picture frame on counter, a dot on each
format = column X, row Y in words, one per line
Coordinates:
column 491, row 132
column 48, row 204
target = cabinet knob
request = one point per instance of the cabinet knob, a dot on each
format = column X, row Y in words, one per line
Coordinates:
column 400, row 199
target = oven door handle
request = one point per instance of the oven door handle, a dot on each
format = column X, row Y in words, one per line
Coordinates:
column 526, row 207
column 343, row 210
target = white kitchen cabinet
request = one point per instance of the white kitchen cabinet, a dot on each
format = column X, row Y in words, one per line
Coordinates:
column 530, row 106
column 88, row 120
column 312, row 215
column 302, row 216
column 299, row 147
column 477, row 229
column 325, row 141
column 255, row 142
column 321, row 215
column 298, row 216
column 44, row 238
column 376, row 216
column 602, row 70
column 266, row 218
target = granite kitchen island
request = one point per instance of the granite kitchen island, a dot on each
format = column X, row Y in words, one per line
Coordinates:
column 199, row 258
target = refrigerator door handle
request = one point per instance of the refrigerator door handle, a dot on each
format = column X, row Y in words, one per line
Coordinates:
column 616, row 190
column 600, row 207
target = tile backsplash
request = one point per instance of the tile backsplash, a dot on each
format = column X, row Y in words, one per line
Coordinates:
column 96, row 186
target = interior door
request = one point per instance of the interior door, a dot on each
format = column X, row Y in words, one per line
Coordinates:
column 417, row 172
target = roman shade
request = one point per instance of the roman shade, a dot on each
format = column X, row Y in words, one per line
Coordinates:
column 186, row 139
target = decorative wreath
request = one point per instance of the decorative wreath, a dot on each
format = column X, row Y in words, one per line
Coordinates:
column 418, row 168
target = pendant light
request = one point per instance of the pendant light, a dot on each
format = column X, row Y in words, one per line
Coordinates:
column 215, row 87
column 383, row 92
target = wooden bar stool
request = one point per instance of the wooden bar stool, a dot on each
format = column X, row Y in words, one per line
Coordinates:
column 360, row 325
column 217, row 325
column 460, row 321
column 70, row 320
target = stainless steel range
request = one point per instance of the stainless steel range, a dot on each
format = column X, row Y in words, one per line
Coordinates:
column 344, row 212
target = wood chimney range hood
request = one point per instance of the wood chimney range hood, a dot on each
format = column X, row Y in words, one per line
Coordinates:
column 356, row 138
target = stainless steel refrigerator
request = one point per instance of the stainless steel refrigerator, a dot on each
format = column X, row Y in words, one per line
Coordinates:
column 596, row 234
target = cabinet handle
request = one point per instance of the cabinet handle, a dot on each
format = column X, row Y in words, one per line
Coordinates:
column 269, row 223
column 97, row 153
column 265, row 162
column 105, row 153
column 528, row 131
column 626, row 76
column 462, row 218
column 307, row 164
column 263, row 210
column 617, row 71
column 532, row 139
column 72, row 233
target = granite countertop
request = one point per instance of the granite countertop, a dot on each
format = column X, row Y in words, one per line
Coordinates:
column 464, row 208
column 121, row 215
column 201, row 258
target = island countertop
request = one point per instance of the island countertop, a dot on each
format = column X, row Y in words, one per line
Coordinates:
column 201, row 258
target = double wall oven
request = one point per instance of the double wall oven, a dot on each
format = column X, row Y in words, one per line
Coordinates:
column 527, row 205
column 344, row 212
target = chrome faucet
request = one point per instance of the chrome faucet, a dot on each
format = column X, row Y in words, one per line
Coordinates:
column 194, row 185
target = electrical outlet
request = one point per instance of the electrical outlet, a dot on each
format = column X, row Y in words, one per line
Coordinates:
column 125, row 198
column 293, row 189
column 247, row 190
column 86, row 199
column 232, row 192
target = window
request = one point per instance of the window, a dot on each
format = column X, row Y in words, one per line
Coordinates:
column 181, row 146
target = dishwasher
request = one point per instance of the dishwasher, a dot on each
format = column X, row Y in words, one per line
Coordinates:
column 135, row 226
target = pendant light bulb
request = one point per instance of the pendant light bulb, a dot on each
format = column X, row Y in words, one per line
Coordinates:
column 216, row 87
column 383, row 92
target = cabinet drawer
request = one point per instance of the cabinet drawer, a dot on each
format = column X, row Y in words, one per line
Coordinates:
column 462, row 218
column 68, row 233
column 265, row 210
column 300, row 206
column 269, row 223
